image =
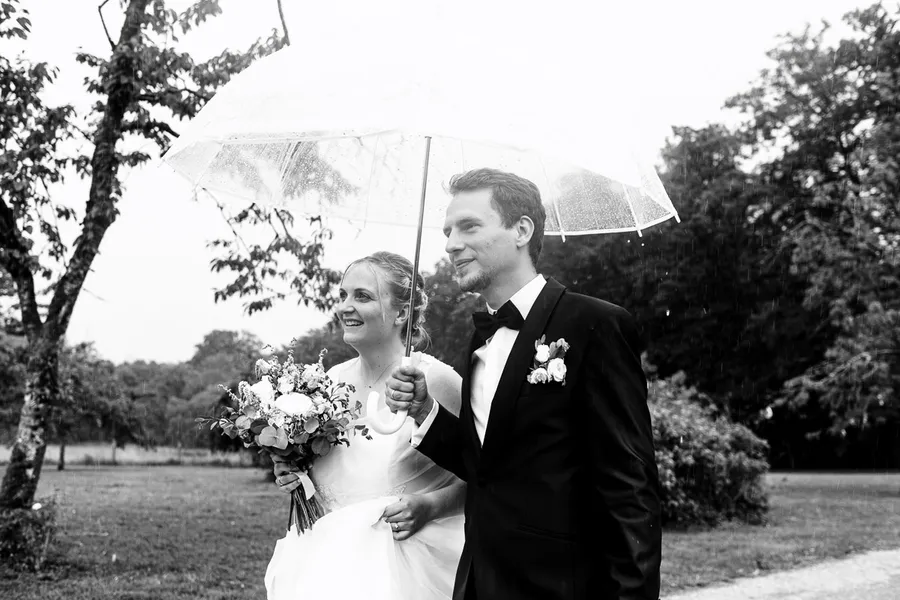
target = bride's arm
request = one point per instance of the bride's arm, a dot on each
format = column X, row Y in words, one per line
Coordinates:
column 413, row 511
column 446, row 502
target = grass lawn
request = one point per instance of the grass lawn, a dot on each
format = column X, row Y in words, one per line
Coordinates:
column 207, row 533
column 158, row 533
column 812, row 517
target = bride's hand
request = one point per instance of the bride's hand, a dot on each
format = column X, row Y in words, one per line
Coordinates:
column 407, row 516
column 286, row 475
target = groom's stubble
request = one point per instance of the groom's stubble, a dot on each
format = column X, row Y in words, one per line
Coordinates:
column 475, row 283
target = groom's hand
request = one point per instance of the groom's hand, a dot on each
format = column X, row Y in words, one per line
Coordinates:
column 407, row 390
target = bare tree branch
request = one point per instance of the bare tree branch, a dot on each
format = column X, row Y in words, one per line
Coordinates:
column 149, row 126
column 102, row 20
column 284, row 225
column 154, row 98
column 864, row 357
column 287, row 38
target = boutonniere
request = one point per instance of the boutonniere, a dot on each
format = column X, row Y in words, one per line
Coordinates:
column 548, row 362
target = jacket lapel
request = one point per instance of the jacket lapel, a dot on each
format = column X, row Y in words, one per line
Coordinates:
column 520, row 359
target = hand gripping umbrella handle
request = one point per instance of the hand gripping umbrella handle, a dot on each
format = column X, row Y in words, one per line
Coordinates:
column 377, row 420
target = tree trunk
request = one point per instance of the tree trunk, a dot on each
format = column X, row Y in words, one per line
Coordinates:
column 27, row 458
column 61, row 463
column 42, row 374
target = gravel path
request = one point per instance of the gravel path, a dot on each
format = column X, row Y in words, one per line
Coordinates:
column 870, row 576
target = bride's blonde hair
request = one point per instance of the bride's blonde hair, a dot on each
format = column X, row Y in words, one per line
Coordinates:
column 397, row 272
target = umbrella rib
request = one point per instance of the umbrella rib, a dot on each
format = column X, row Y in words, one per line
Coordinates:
column 371, row 176
column 631, row 208
column 562, row 231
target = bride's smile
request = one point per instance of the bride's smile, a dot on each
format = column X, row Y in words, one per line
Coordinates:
column 365, row 309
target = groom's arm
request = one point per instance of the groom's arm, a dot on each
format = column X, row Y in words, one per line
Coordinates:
column 439, row 437
column 621, row 457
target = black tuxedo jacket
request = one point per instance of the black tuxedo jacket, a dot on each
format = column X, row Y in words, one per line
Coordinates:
column 563, row 496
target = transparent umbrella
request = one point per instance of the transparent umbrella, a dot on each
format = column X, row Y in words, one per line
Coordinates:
column 369, row 128
column 352, row 146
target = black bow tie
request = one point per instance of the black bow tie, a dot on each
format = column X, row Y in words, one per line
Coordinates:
column 486, row 324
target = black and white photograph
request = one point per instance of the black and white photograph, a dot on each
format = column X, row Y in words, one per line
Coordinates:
column 449, row 300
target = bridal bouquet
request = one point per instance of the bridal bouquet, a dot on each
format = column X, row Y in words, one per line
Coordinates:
column 294, row 411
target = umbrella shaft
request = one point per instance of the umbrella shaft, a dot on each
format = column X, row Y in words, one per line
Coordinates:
column 412, row 295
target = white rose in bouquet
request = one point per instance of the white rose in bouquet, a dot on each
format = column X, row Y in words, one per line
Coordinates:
column 295, row 404
column 543, row 353
column 263, row 390
column 286, row 384
column 262, row 368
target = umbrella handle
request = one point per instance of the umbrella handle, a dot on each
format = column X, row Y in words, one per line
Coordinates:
column 385, row 425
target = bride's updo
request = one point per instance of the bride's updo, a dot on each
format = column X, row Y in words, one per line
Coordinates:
column 397, row 272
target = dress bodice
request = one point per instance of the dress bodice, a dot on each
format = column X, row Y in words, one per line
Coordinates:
column 386, row 465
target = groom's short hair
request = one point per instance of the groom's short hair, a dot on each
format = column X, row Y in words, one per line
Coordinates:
column 512, row 196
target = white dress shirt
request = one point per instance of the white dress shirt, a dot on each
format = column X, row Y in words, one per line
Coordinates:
column 489, row 362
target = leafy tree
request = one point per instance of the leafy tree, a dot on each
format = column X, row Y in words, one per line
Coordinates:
column 94, row 402
column 834, row 112
column 142, row 80
column 328, row 337
column 223, row 355
column 713, row 295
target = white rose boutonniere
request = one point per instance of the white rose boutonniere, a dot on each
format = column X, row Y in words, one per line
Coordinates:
column 539, row 375
column 549, row 366
column 557, row 369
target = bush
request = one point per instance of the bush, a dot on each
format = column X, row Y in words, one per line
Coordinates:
column 26, row 534
column 710, row 468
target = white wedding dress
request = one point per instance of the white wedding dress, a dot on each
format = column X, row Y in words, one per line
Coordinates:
column 350, row 553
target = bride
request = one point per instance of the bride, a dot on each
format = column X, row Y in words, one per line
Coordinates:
column 394, row 530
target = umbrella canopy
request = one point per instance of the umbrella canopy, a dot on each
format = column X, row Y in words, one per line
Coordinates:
column 342, row 132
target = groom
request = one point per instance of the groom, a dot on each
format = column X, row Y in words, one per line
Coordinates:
column 563, row 492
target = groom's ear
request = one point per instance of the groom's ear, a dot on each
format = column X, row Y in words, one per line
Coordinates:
column 524, row 228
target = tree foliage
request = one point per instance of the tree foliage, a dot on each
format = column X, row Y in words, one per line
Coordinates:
column 835, row 111
column 143, row 87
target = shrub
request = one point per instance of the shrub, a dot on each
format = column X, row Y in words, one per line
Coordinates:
column 26, row 534
column 710, row 468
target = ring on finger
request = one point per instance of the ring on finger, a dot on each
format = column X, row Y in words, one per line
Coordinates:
column 395, row 526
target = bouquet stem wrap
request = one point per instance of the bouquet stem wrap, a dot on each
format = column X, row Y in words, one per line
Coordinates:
column 305, row 508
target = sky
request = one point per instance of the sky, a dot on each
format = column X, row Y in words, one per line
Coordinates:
column 150, row 293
